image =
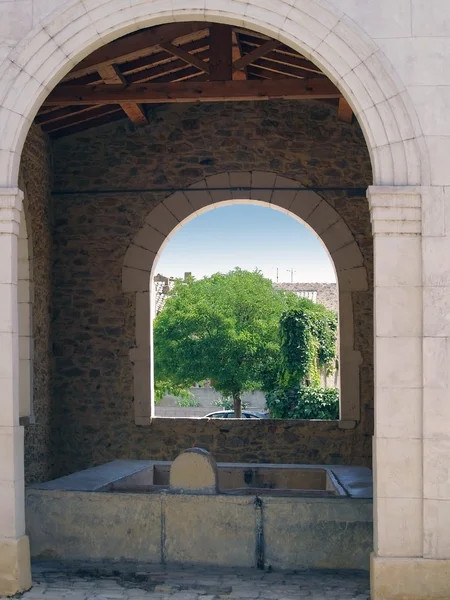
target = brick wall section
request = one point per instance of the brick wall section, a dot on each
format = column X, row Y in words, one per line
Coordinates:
column 93, row 320
column 36, row 174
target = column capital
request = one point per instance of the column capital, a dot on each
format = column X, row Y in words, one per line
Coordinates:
column 10, row 207
column 395, row 210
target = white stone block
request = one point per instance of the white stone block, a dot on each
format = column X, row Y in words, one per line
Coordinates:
column 436, row 468
column 149, row 238
column 398, row 525
column 8, row 309
column 337, row 236
column 240, row 179
column 134, row 280
column 436, row 519
column 320, row 10
column 143, row 319
column 439, row 149
column 399, row 467
column 179, row 206
column 322, row 217
column 12, row 501
column 436, row 266
column 399, row 362
column 353, row 280
column 348, row 257
column 11, row 453
column 432, row 104
column 398, row 311
column 430, row 19
column 199, row 199
column 382, row 18
column 161, row 219
column 383, row 166
column 397, row 261
column 222, row 180
column 43, row 8
column 434, row 211
column 435, row 362
column 436, row 311
column 67, row 18
column 398, row 412
column 262, row 179
column 419, row 61
column 284, row 197
column 16, row 20
column 436, row 412
column 25, row 347
column 139, row 258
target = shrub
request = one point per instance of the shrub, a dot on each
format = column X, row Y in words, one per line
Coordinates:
column 304, row 403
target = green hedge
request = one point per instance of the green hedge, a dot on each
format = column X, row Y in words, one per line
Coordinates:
column 304, row 403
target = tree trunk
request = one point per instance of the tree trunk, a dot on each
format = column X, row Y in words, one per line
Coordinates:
column 237, row 407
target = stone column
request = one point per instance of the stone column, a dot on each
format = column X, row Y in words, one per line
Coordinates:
column 14, row 548
column 397, row 445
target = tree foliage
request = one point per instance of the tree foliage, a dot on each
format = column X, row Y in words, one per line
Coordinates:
column 223, row 328
column 241, row 334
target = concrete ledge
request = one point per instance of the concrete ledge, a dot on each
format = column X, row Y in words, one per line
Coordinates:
column 15, row 572
column 409, row 579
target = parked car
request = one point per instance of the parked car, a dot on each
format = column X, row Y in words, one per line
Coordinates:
column 229, row 414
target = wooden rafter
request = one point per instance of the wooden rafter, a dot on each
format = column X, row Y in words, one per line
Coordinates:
column 236, row 54
column 185, row 56
column 81, row 117
column 133, row 47
column 186, row 91
column 255, row 54
column 345, row 112
column 111, row 75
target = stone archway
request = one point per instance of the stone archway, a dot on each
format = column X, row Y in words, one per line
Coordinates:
column 263, row 188
column 321, row 32
column 382, row 106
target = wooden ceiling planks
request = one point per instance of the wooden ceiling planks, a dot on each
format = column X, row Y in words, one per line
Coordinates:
column 181, row 62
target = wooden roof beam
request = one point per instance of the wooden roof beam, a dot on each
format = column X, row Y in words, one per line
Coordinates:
column 194, row 91
column 111, row 75
column 133, row 47
column 185, row 56
column 236, row 54
column 247, row 59
column 221, row 52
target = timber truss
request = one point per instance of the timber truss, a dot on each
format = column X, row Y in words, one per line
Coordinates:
column 181, row 62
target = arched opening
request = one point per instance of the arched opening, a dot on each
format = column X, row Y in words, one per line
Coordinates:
column 248, row 236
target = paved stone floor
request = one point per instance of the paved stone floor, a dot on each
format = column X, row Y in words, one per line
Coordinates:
column 155, row 582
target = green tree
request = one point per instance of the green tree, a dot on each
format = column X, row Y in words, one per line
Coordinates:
column 224, row 328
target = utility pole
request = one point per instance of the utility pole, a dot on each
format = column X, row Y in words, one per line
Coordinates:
column 291, row 271
column 277, row 274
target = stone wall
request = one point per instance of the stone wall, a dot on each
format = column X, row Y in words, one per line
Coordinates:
column 36, row 177
column 93, row 320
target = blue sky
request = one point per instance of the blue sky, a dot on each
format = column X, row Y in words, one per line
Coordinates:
column 246, row 236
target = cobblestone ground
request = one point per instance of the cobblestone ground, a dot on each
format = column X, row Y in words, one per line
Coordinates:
column 154, row 582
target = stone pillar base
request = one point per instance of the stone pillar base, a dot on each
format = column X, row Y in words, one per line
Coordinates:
column 409, row 579
column 15, row 571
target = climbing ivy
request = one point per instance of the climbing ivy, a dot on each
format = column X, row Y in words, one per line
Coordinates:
column 308, row 335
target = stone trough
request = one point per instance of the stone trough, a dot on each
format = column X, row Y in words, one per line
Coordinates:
column 196, row 511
